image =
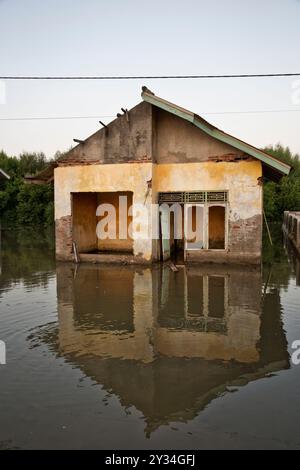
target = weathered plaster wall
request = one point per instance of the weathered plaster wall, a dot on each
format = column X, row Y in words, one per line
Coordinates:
column 102, row 178
column 242, row 180
column 127, row 138
column 179, row 141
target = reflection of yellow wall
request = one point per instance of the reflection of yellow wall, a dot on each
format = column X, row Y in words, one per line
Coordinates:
column 148, row 339
column 88, row 341
column 239, row 343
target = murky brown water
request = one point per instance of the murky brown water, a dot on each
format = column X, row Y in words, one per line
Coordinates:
column 124, row 358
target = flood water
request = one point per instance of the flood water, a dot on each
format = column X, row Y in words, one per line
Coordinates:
column 129, row 357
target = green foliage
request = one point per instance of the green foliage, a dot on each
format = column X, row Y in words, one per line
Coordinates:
column 26, row 163
column 24, row 204
column 33, row 201
column 285, row 195
column 285, row 154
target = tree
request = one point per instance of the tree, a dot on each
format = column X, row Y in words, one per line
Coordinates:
column 22, row 204
column 284, row 195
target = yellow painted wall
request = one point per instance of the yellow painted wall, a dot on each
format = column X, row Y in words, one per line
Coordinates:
column 107, row 178
column 239, row 178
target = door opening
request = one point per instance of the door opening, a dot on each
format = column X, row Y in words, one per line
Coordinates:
column 171, row 233
column 216, row 227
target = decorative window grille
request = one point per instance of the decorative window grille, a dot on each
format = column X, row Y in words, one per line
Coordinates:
column 193, row 197
column 216, row 196
column 171, row 197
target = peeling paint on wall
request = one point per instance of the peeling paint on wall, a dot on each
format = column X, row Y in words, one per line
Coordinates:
column 239, row 178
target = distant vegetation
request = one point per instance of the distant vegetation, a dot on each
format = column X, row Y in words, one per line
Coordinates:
column 25, row 204
column 284, row 195
column 30, row 205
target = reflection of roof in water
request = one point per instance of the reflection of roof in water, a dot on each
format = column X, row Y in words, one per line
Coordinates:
column 169, row 374
column 170, row 389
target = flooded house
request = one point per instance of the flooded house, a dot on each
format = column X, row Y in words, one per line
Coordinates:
column 150, row 158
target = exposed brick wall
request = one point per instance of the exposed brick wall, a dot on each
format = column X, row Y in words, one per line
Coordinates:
column 63, row 240
column 245, row 235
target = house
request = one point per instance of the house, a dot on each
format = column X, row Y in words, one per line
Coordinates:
column 140, row 165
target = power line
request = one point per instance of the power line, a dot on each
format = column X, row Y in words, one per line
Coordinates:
column 257, row 112
column 148, row 77
column 47, row 118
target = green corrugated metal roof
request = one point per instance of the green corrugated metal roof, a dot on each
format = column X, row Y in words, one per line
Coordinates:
column 212, row 131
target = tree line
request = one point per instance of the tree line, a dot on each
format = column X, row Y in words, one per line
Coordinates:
column 24, row 204
column 285, row 195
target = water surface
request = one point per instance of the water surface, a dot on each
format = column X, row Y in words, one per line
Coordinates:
column 131, row 357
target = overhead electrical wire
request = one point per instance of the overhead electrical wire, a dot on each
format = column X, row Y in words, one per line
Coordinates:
column 146, row 77
column 141, row 77
column 45, row 118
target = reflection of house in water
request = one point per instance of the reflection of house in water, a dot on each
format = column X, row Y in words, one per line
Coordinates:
column 219, row 313
column 168, row 343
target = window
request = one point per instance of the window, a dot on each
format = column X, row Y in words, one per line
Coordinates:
column 209, row 233
column 204, row 217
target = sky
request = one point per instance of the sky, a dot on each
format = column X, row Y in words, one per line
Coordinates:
column 129, row 37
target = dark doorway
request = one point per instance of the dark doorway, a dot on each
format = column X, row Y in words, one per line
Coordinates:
column 216, row 227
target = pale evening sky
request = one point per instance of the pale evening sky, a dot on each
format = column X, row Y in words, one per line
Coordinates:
column 129, row 37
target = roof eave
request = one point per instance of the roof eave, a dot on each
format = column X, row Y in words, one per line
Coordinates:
column 209, row 129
